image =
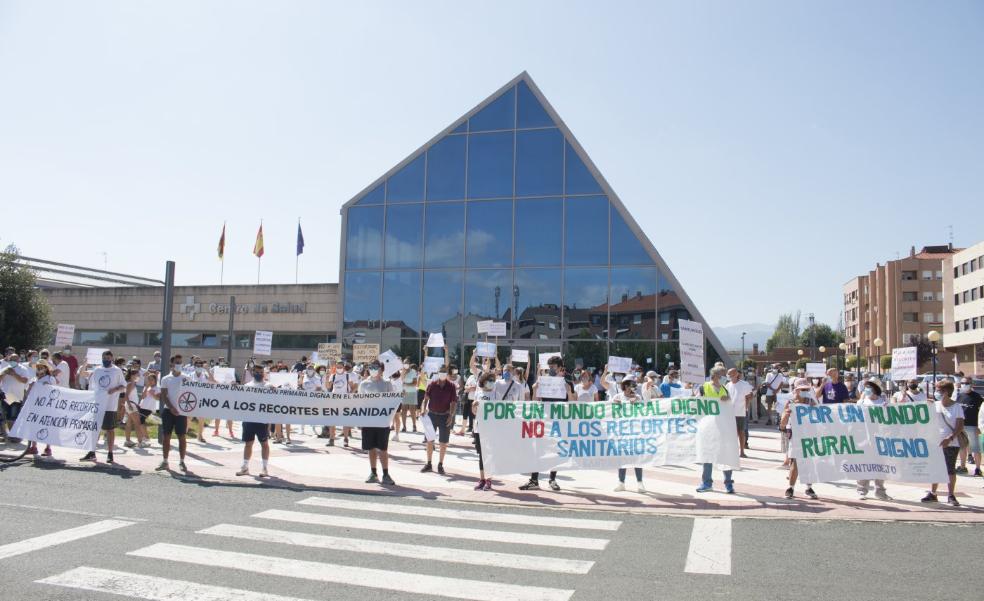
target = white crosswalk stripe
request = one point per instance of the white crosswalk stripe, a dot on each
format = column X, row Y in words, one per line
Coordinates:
column 61, row 537
column 536, row 563
column 519, row 538
column 461, row 514
column 710, row 547
column 406, row 582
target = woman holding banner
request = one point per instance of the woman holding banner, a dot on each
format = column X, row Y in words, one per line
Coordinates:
column 872, row 397
column 950, row 416
column 628, row 395
column 802, row 394
column 486, row 385
column 42, row 372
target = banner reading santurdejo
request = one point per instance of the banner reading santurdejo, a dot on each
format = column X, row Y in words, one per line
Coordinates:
column 61, row 417
column 526, row 437
column 692, row 369
column 287, row 406
column 849, row 442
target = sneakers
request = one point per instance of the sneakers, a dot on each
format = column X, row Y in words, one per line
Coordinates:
column 952, row 500
column 346, row 442
column 620, row 487
column 387, row 481
column 403, row 429
column 163, row 467
column 480, row 485
column 109, row 457
column 881, row 495
column 264, row 473
column 862, row 494
column 729, row 488
column 440, row 469
column 705, row 488
column 396, row 437
column 372, row 479
column 182, row 467
column 90, row 456
column 144, row 444
column 789, row 492
column 129, row 444
column 809, row 492
column 331, row 443
column 531, row 485
column 488, row 484
column 977, row 472
column 47, row 452
column 243, row 472
column 929, row 498
column 554, row 486
column 640, row 487
column 962, row 469
column 427, row 468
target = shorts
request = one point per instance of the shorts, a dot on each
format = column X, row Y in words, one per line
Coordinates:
column 144, row 413
column 10, row 412
column 253, row 431
column 440, row 422
column 410, row 399
column 109, row 420
column 173, row 423
column 375, row 438
column 950, row 456
column 740, row 422
column 420, row 398
column 974, row 434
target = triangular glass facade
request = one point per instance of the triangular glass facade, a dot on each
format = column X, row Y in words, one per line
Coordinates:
column 501, row 218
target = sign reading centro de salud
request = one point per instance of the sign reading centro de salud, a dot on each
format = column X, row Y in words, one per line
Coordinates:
column 191, row 308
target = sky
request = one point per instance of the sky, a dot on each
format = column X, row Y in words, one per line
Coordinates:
column 770, row 150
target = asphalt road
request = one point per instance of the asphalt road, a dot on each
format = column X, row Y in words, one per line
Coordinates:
column 148, row 544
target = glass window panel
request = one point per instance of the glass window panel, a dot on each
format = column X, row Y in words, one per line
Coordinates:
column 670, row 309
column 489, row 240
column 530, row 112
column 499, row 114
column 539, row 162
column 407, row 184
column 627, row 249
column 589, row 354
column 442, row 303
column 307, row 342
column 578, row 179
column 462, row 128
column 536, row 304
column 361, row 316
column 633, row 303
column 446, row 169
column 587, row 229
column 586, row 303
column 364, row 241
column 404, row 235
column 488, row 295
column 490, row 165
column 539, row 235
column 642, row 353
column 444, row 240
column 374, row 196
column 401, row 304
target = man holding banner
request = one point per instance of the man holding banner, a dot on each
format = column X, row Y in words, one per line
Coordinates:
column 376, row 439
column 254, row 430
column 556, row 369
column 715, row 390
column 171, row 419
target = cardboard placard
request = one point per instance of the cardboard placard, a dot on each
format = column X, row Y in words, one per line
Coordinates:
column 435, row 340
column 485, row 349
column 262, row 343
column 483, row 326
column 498, row 329
column 619, row 365
column 93, row 356
column 519, row 356
column 365, row 353
column 64, row 335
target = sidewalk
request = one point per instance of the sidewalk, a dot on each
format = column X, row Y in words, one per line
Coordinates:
column 309, row 464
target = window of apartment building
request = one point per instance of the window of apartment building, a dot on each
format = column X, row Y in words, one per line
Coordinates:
column 956, row 299
column 939, row 318
column 908, row 275
column 956, row 326
column 928, row 317
column 956, row 272
column 913, row 317
column 973, row 294
column 973, row 323
column 963, row 269
column 939, row 295
column 94, row 338
column 928, row 295
column 966, row 323
column 927, row 275
column 966, row 296
column 939, row 274
column 909, row 296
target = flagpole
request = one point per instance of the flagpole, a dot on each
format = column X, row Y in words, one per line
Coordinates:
column 297, row 255
column 259, row 259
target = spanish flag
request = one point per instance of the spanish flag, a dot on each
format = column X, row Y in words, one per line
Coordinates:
column 258, row 247
column 222, row 243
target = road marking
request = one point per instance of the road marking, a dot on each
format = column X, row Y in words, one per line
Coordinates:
column 710, row 547
column 404, row 582
column 138, row 586
column 453, row 555
column 58, row 538
column 72, row 512
column 498, row 536
column 459, row 514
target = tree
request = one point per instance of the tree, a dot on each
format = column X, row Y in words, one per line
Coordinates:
column 886, row 362
column 852, row 361
column 924, row 349
column 25, row 317
column 820, row 334
column 786, row 333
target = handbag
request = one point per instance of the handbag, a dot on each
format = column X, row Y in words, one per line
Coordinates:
column 962, row 438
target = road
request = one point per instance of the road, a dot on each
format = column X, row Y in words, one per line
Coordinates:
column 104, row 534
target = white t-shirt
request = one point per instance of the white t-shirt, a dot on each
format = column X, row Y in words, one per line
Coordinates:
column 102, row 380
column 947, row 417
column 774, row 383
column 908, row 396
column 11, row 386
column 621, row 398
column 49, row 380
column 312, row 384
column 736, row 392
column 340, row 382
column 471, row 385
column 481, row 396
column 62, row 374
column 148, row 400
column 172, row 384
column 508, row 391
column 585, row 394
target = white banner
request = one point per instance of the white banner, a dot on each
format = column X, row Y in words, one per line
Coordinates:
column 519, row 356
column 498, row 329
column 551, row 387
column 619, row 365
column 61, row 417
column 816, row 370
column 849, row 442
column 435, row 340
column 262, row 343
column 64, row 335
column 905, row 363
column 529, row 437
column 286, row 406
column 224, row 375
column 692, row 369
column 485, row 349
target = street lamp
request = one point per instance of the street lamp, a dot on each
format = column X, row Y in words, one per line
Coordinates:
column 933, row 337
column 878, row 342
column 823, row 351
column 843, row 350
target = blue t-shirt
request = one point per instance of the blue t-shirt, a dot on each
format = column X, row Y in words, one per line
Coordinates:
column 665, row 387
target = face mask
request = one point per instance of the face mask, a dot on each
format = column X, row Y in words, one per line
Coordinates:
column 552, row 372
column 310, row 373
column 913, row 386
column 506, row 376
column 938, row 395
column 488, row 386
column 868, row 391
column 373, row 373
column 32, row 360
column 258, row 377
column 442, row 376
column 198, row 370
column 965, row 388
column 107, row 362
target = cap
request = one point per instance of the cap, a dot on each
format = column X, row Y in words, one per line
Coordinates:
column 652, row 374
column 44, row 363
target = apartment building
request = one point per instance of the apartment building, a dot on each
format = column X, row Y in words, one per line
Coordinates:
column 963, row 311
column 895, row 303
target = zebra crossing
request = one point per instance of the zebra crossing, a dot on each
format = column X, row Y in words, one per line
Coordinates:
column 356, row 536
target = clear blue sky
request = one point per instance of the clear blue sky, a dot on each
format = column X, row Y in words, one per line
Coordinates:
column 771, row 150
